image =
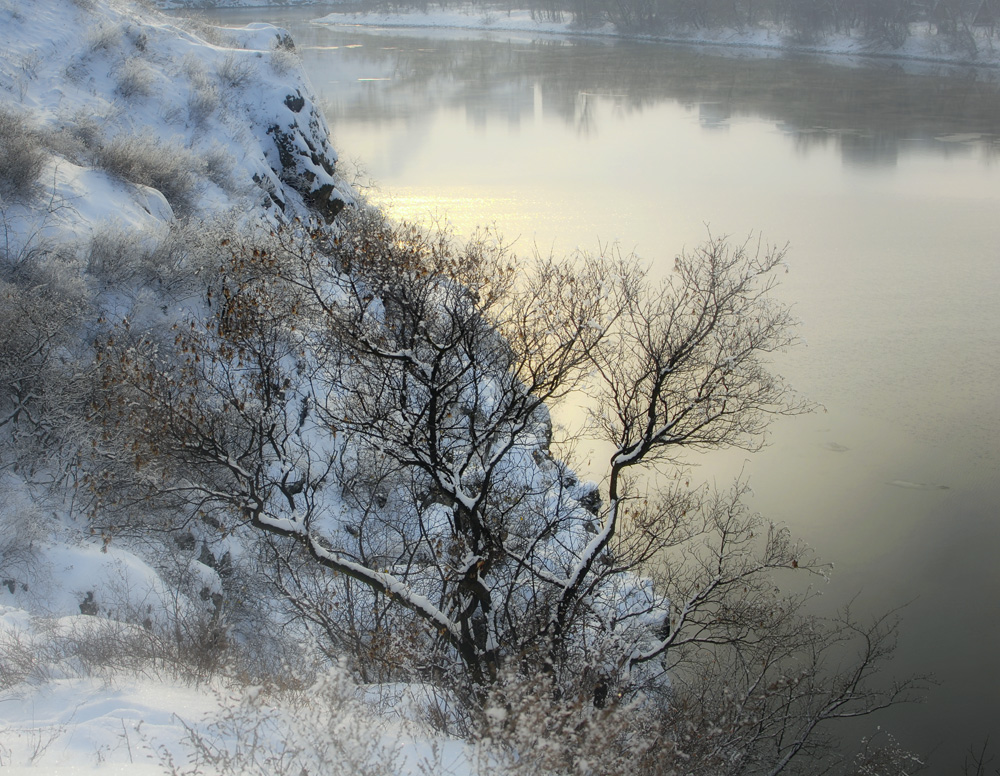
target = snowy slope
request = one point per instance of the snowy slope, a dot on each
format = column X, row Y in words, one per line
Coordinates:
column 144, row 120
column 115, row 122
column 135, row 122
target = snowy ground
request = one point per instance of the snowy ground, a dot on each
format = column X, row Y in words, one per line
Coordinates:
column 146, row 725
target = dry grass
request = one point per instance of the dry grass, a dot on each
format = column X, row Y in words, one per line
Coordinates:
column 168, row 167
column 22, row 157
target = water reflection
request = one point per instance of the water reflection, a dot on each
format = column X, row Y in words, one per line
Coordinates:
column 871, row 113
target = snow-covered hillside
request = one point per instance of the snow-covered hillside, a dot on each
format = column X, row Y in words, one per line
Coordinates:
column 117, row 124
column 142, row 119
column 133, row 148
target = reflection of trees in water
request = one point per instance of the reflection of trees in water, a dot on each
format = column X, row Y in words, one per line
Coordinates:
column 585, row 121
column 878, row 148
column 869, row 111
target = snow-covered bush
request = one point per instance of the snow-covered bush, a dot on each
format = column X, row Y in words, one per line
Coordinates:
column 524, row 728
column 135, row 78
column 22, row 158
column 76, row 137
column 219, row 167
column 127, row 262
column 237, row 70
column 284, row 59
column 104, row 36
column 143, row 158
column 204, row 98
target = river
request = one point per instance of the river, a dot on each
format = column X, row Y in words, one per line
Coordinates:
column 884, row 181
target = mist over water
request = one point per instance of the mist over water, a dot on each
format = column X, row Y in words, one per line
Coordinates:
column 886, row 185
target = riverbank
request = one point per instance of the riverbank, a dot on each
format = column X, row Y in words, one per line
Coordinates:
column 921, row 46
column 977, row 47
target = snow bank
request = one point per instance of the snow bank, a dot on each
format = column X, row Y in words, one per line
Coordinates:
column 144, row 727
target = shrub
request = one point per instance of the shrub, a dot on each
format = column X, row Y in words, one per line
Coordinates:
column 20, row 659
column 219, row 165
column 202, row 102
column 113, row 256
column 284, row 59
column 203, row 98
column 104, row 37
column 135, row 78
column 139, row 38
column 22, row 159
column 236, row 72
column 145, row 159
column 76, row 71
column 188, row 647
column 76, row 137
column 127, row 260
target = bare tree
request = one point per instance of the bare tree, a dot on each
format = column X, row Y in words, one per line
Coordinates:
column 979, row 760
column 377, row 404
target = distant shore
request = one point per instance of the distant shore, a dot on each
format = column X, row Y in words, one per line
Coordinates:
column 922, row 45
column 979, row 49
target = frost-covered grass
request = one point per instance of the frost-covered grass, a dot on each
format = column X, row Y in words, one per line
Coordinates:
column 22, row 158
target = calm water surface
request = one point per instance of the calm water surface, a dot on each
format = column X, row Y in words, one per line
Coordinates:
column 886, row 185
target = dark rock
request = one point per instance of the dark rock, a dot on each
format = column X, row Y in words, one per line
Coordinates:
column 590, row 499
column 295, row 102
column 88, row 605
